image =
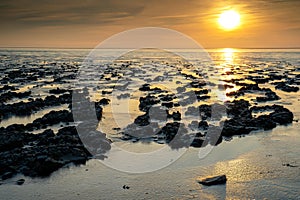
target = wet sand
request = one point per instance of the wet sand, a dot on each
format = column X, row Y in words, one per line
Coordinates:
column 262, row 164
column 253, row 165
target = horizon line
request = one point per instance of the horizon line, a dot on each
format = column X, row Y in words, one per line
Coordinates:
column 36, row 47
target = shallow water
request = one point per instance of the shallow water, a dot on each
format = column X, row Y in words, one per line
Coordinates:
column 254, row 164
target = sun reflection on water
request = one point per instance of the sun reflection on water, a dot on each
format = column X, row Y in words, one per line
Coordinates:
column 228, row 55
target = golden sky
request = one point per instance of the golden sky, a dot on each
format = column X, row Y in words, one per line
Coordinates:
column 85, row 23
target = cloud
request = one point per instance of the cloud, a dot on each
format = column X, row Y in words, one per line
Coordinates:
column 24, row 21
column 65, row 12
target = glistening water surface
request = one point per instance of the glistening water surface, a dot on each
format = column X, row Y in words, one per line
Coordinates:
column 256, row 165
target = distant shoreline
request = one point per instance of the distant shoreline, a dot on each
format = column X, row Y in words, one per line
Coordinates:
column 21, row 47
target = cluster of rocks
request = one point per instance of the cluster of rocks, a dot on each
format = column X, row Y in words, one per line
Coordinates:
column 5, row 88
column 10, row 95
column 285, row 87
column 250, row 88
column 49, row 119
column 30, row 73
column 26, row 108
column 41, row 154
column 157, row 105
column 58, row 91
column 243, row 122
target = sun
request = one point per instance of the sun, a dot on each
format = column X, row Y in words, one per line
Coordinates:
column 229, row 19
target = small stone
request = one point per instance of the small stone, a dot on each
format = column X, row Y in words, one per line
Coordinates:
column 20, row 181
column 216, row 180
column 126, row 187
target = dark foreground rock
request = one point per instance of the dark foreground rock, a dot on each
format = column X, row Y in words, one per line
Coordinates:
column 216, row 180
column 41, row 154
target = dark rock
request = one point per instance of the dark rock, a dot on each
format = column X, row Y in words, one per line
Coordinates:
column 201, row 92
column 276, row 76
column 282, row 116
column 41, row 154
column 243, row 122
column 145, row 87
column 99, row 110
column 20, row 181
column 47, row 134
column 237, row 109
column 285, row 87
column 57, row 91
column 175, row 135
column 123, row 96
column 10, row 95
column 234, row 127
column 279, row 115
column 175, row 115
column 235, row 94
column 201, row 98
column 24, row 109
column 250, row 87
column 289, row 165
column 167, row 104
column 106, row 92
column 147, row 102
column 54, row 117
column 126, row 187
column 270, row 96
column 7, row 87
column 142, row 120
column 104, row 101
column 167, row 98
column 7, row 175
column 197, row 84
column 44, row 167
column 216, row 180
column 261, row 122
column 203, row 125
column 197, row 142
column 10, row 139
column 205, row 111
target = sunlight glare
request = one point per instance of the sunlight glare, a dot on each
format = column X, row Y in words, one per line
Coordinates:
column 229, row 19
column 228, row 54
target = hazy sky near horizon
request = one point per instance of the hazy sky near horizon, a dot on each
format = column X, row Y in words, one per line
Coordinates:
column 85, row 23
